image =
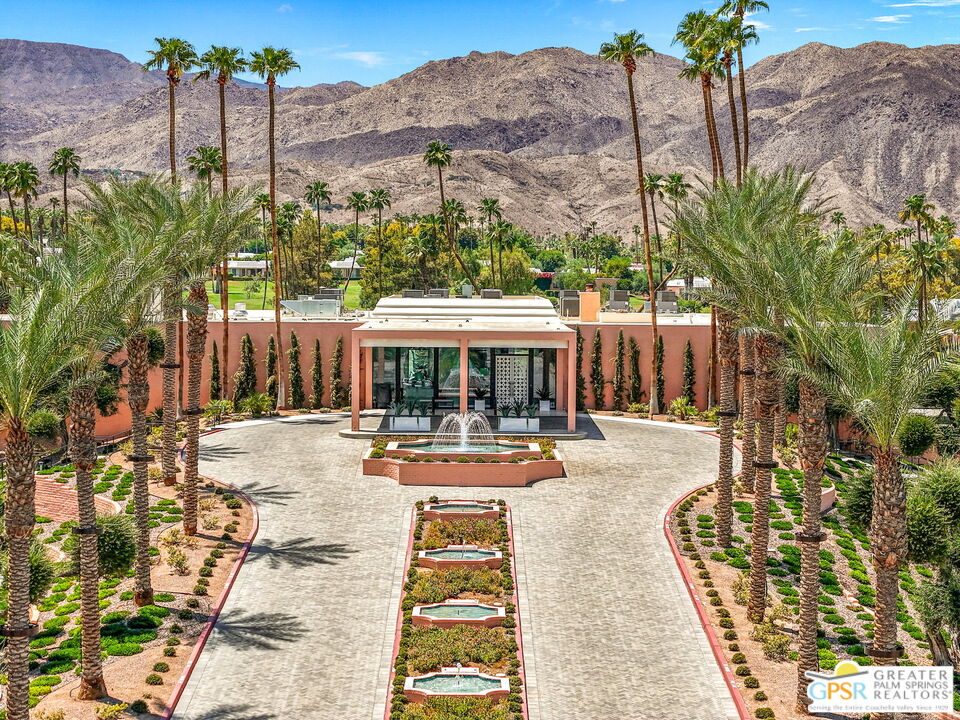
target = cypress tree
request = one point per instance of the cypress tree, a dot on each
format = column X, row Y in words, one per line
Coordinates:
column 245, row 379
column 581, row 380
column 660, row 381
column 689, row 374
column 316, row 376
column 636, row 382
column 619, row 380
column 338, row 397
column 297, row 398
column 215, row 390
column 596, row 372
column 270, row 362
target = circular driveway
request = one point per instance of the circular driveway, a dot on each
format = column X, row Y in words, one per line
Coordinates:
column 609, row 630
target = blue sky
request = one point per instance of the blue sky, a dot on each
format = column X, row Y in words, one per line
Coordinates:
column 371, row 42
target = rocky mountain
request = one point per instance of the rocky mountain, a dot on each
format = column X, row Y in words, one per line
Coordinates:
column 547, row 131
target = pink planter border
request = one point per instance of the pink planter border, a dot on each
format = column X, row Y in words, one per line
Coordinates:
column 518, row 634
column 174, row 699
column 454, row 474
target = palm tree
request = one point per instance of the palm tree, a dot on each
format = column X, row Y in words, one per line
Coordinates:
column 223, row 62
column 177, row 57
column 378, row 200
column 733, row 36
column 654, row 184
column 698, row 33
column 25, row 179
column 204, row 163
column 877, row 372
column 740, row 9
column 220, row 225
column 7, row 187
column 48, row 327
column 838, row 219
column 317, row 194
column 64, row 162
column 926, row 260
column 625, row 49
column 489, row 208
column 271, row 63
column 438, row 155
column 358, row 202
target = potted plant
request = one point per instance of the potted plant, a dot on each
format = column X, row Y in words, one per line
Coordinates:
column 480, row 401
column 523, row 418
column 543, row 394
column 409, row 416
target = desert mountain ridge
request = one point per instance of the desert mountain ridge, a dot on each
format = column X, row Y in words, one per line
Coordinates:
column 547, row 131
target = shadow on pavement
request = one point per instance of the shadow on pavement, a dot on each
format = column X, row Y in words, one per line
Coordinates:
column 298, row 553
column 259, row 630
column 233, row 712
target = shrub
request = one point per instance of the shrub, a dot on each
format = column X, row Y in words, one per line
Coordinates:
column 751, row 682
column 169, row 652
column 742, row 671
column 759, row 696
column 110, row 712
column 138, row 707
column 153, row 679
column 765, row 713
column 161, row 667
column 738, row 658
column 124, row 649
column 917, row 433
column 776, row 647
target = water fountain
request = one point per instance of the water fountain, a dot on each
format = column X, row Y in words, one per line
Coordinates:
column 464, row 431
column 456, row 681
column 459, row 556
column 458, row 612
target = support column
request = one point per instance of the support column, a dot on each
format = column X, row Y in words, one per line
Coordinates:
column 464, row 375
column 355, row 381
column 561, row 379
column 572, row 384
column 366, row 358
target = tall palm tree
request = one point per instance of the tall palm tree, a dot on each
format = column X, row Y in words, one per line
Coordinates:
column 271, row 63
column 698, row 34
column 625, row 49
column 65, row 161
column 220, row 226
column 378, row 200
column 438, row 155
column 223, row 63
column 25, row 180
column 489, row 208
column 176, row 57
column 733, row 36
column 926, row 260
column 358, row 202
column 7, row 187
column 49, row 325
column 740, row 9
column 838, row 219
column 877, row 371
column 317, row 194
column 654, row 185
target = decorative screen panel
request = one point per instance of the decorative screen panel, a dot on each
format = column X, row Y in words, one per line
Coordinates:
column 512, row 378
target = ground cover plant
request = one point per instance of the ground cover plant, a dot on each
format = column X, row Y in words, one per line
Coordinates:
column 426, row 649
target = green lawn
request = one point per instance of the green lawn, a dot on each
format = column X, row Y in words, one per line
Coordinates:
column 238, row 293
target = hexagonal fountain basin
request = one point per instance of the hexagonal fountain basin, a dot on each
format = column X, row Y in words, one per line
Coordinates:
column 459, row 556
column 458, row 612
column 456, row 682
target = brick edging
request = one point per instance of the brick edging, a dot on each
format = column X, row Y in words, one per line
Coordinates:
column 174, row 699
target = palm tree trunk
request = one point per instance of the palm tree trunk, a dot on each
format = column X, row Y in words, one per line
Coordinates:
column 138, row 394
column 888, row 546
column 813, row 451
column 196, row 343
column 281, row 394
column 66, row 219
column 654, row 405
column 748, row 413
column 225, row 270
column 768, row 352
column 727, row 414
column 743, row 109
column 656, row 231
column 83, row 452
column 13, row 214
column 780, row 423
column 493, row 268
column 733, row 119
column 713, row 125
column 18, row 527
column 168, row 453
column 356, row 249
column 26, row 216
column 319, row 248
column 172, row 124
column 379, row 253
column 704, row 84
column 712, row 359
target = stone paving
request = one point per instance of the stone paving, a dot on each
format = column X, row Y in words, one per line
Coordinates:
column 609, row 632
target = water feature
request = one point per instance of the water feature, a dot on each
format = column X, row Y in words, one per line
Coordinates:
column 463, row 431
column 457, row 683
column 461, row 507
column 459, row 611
column 457, row 554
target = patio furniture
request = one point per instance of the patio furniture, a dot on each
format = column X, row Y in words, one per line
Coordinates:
column 491, row 294
column 412, row 294
column 619, row 301
column 438, row 293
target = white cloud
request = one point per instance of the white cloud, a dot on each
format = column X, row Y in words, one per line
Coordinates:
column 369, row 58
column 891, row 19
column 285, row 8
column 813, row 29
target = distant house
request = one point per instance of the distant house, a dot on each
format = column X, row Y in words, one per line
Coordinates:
column 341, row 268
column 247, row 268
column 677, row 284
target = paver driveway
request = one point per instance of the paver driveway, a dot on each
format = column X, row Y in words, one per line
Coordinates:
column 609, row 632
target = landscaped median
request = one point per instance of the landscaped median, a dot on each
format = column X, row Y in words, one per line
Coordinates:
column 458, row 654
column 414, row 462
column 759, row 660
